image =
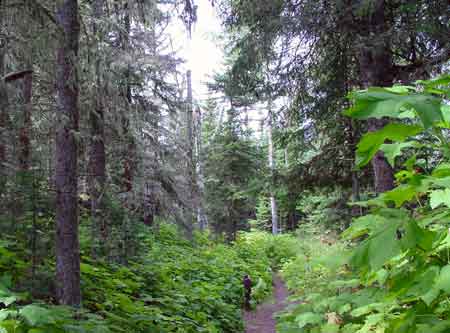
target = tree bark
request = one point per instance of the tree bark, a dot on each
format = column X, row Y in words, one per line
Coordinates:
column 25, row 132
column 376, row 67
column 67, row 245
column 128, row 163
column 97, row 154
column 273, row 202
column 4, row 106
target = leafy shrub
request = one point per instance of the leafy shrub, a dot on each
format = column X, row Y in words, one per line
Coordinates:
column 397, row 276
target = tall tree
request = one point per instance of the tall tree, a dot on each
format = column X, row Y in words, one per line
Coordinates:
column 190, row 153
column 97, row 153
column 67, row 244
column 273, row 202
column 376, row 68
column 4, row 105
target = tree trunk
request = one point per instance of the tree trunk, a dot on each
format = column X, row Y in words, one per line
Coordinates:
column 273, row 202
column 128, row 164
column 201, row 215
column 25, row 148
column 190, row 155
column 376, row 67
column 67, row 245
column 4, row 105
column 97, row 155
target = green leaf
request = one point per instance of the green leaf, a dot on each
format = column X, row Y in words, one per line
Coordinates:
column 428, row 108
column 8, row 300
column 330, row 328
column 430, row 295
column 371, row 254
column 371, row 142
column 443, row 281
column 363, row 310
column 387, row 102
column 440, row 197
column 442, row 170
column 308, row 318
column 400, row 194
column 393, row 150
column 37, row 315
column 363, row 225
column 424, row 285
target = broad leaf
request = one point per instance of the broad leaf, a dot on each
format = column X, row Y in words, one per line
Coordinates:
column 400, row 194
column 37, row 315
column 440, row 197
column 393, row 150
column 372, row 141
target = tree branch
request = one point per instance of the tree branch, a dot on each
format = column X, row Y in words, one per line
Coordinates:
column 16, row 75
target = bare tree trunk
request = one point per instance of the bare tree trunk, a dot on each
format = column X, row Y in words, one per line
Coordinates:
column 67, row 245
column 190, row 155
column 201, row 216
column 273, row 202
column 375, row 63
column 97, row 155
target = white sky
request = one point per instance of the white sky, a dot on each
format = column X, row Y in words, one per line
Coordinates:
column 203, row 56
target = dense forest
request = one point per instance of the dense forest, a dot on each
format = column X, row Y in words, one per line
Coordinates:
column 307, row 191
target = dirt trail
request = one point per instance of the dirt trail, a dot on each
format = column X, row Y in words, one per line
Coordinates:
column 262, row 320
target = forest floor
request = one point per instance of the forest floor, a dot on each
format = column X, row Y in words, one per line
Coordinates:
column 262, row 319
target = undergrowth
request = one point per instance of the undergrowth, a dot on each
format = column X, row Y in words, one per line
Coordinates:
column 174, row 287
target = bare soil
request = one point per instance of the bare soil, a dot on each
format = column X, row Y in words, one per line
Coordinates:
column 262, row 319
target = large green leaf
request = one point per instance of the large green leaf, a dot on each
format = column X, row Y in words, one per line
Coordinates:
column 364, row 225
column 375, row 103
column 400, row 194
column 378, row 249
column 372, row 141
column 383, row 247
column 37, row 315
column 393, row 150
column 384, row 102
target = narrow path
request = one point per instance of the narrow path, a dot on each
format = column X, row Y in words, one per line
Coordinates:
column 262, row 320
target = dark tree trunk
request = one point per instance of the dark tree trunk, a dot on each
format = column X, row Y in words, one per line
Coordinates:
column 4, row 105
column 67, row 245
column 4, row 116
column 25, row 148
column 128, row 163
column 376, row 67
column 382, row 171
column 356, row 189
column 97, row 155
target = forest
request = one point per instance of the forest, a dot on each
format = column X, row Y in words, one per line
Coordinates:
column 308, row 190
